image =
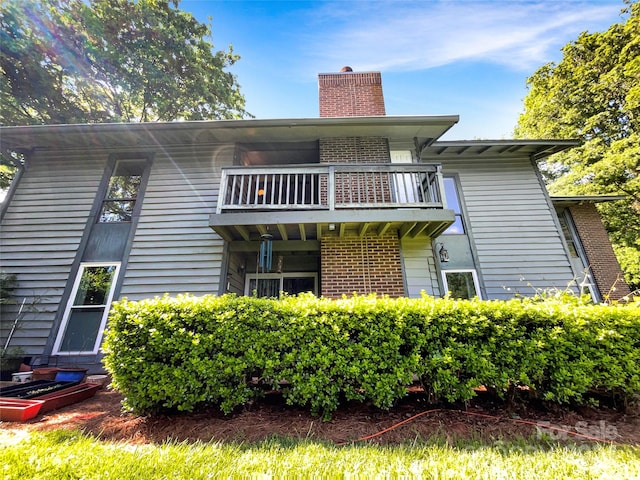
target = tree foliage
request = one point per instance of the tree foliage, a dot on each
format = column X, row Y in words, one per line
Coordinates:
column 7, row 172
column 77, row 61
column 593, row 93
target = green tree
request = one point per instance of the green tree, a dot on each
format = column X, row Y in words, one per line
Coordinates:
column 593, row 93
column 77, row 61
column 7, row 171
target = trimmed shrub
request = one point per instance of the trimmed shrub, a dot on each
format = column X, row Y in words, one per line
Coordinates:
column 184, row 353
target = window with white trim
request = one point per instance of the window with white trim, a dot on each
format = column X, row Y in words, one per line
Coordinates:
column 87, row 310
column 462, row 284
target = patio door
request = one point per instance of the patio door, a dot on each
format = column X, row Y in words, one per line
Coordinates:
column 404, row 184
column 271, row 284
column 263, row 287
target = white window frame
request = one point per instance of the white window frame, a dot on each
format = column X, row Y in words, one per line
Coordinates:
column 281, row 276
column 474, row 275
column 67, row 312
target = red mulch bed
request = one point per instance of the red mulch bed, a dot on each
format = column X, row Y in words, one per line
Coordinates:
column 483, row 418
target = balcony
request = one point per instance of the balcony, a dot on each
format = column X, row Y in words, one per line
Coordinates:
column 304, row 202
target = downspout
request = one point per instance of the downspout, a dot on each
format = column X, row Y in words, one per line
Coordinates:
column 21, row 166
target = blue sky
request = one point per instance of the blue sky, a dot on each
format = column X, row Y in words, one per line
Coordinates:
column 464, row 57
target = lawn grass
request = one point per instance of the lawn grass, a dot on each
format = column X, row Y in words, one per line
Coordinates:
column 69, row 455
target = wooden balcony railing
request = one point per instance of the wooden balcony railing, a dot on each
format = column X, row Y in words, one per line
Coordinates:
column 331, row 187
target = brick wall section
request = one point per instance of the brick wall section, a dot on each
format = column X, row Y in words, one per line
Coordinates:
column 361, row 264
column 350, row 94
column 354, row 150
column 597, row 247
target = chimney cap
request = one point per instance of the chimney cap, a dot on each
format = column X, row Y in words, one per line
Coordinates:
column 346, row 69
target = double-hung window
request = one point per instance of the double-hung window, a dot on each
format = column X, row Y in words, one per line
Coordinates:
column 122, row 193
column 87, row 310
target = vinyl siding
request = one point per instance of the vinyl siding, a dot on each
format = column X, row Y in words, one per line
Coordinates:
column 511, row 226
column 419, row 267
column 174, row 250
column 41, row 232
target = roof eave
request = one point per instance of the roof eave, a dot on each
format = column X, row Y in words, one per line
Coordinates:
column 536, row 149
column 580, row 199
column 427, row 128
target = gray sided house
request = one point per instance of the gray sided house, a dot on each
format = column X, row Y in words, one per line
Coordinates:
column 352, row 201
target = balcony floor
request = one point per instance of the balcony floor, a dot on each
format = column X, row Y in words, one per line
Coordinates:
column 313, row 225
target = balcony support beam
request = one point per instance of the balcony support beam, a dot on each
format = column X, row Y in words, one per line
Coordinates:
column 419, row 228
column 406, row 228
column 383, row 228
column 277, row 246
column 283, row 232
column 243, row 231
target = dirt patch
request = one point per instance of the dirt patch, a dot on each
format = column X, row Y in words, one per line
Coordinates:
column 480, row 419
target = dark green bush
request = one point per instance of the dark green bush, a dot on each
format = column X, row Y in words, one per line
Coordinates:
column 8, row 283
column 185, row 353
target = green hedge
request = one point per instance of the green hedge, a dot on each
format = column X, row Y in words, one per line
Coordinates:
column 188, row 352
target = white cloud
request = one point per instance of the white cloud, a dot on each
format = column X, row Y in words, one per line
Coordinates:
column 409, row 36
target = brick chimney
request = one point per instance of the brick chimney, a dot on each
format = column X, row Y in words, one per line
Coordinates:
column 350, row 94
column 346, row 264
